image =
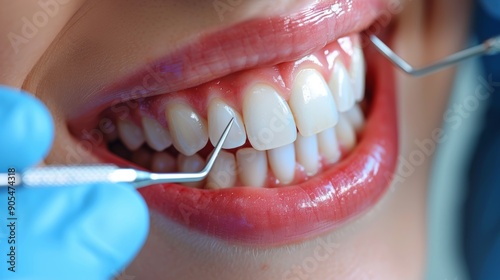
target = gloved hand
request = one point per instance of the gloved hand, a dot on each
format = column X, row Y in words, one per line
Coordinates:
column 79, row 232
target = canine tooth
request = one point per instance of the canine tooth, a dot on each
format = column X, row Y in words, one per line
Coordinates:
column 358, row 72
column 163, row 162
column 189, row 164
column 223, row 173
column 306, row 149
column 252, row 167
column 282, row 163
column 346, row 135
column 268, row 119
column 130, row 134
column 356, row 118
column 342, row 87
column 328, row 145
column 187, row 128
column 312, row 103
column 157, row 137
column 219, row 115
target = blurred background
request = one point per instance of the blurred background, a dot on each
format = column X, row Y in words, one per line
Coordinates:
column 452, row 165
column 448, row 181
column 447, row 185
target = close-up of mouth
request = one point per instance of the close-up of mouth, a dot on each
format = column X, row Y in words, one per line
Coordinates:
column 232, row 139
column 314, row 141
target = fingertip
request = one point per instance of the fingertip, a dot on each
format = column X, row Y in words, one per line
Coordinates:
column 27, row 129
column 122, row 227
column 135, row 215
column 91, row 231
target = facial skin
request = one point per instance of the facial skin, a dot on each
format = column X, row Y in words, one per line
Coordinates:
column 87, row 44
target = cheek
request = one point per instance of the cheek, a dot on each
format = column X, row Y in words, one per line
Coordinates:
column 29, row 28
column 421, row 38
column 67, row 149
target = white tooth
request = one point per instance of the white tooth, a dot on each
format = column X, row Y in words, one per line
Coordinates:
column 358, row 72
column 356, row 118
column 187, row 128
column 130, row 134
column 157, row 137
column 328, row 145
column 219, row 115
column 346, row 135
column 282, row 162
column 307, row 153
column 312, row 103
column 342, row 87
column 223, row 173
column 252, row 167
column 163, row 162
column 268, row 119
column 189, row 164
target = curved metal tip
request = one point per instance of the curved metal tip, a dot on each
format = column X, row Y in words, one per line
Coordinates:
column 157, row 178
column 493, row 45
column 217, row 149
column 490, row 46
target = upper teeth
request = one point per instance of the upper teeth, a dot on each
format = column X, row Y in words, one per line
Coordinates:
column 342, row 87
column 157, row 137
column 220, row 113
column 317, row 120
column 189, row 130
column 312, row 103
column 268, row 118
column 131, row 134
column 358, row 70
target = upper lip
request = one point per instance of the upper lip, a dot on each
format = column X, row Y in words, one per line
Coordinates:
column 254, row 43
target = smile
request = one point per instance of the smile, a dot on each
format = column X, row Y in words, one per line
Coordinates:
column 314, row 143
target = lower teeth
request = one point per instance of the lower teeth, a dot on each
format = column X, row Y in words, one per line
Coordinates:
column 245, row 166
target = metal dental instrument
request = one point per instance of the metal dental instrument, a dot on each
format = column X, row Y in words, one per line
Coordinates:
column 82, row 174
column 489, row 47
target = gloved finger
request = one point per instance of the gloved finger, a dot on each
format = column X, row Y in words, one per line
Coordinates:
column 82, row 232
column 26, row 129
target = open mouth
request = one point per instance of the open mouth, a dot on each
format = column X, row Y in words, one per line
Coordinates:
column 314, row 142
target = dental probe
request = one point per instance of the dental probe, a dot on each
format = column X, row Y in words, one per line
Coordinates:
column 107, row 173
column 489, row 47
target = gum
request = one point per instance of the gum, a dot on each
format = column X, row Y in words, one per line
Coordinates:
column 231, row 88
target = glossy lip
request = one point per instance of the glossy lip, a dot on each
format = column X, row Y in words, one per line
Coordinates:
column 281, row 215
column 259, row 42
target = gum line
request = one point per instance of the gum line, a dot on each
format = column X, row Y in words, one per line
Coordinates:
column 231, row 88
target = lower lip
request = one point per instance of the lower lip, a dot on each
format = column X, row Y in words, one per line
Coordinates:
column 275, row 216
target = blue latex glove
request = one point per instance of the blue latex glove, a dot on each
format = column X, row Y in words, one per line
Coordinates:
column 80, row 232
